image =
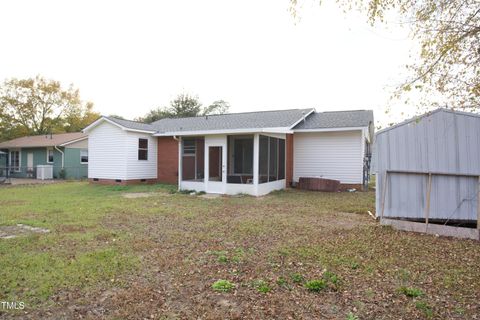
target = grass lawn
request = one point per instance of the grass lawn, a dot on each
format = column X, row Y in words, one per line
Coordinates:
column 290, row 254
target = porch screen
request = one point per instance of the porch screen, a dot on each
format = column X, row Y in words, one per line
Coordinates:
column 271, row 164
column 193, row 159
column 240, row 159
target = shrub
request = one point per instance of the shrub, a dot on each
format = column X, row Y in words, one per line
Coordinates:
column 297, row 278
column 411, row 292
column 262, row 286
column 331, row 277
column 316, row 285
column 282, row 282
column 425, row 308
column 351, row 316
column 223, row 286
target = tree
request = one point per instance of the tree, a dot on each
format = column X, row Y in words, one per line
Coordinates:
column 39, row 106
column 217, row 107
column 185, row 105
column 449, row 35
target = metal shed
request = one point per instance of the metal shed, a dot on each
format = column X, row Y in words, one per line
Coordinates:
column 428, row 174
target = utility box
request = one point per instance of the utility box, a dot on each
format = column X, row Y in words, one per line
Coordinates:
column 44, row 172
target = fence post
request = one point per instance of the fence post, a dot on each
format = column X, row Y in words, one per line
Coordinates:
column 427, row 205
column 478, row 208
column 384, row 193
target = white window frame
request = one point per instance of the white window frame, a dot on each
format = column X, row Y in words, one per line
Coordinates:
column 83, row 150
column 143, row 149
column 53, row 157
column 19, row 168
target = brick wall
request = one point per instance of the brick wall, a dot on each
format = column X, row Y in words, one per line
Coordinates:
column 167, row 160
column 289, row 160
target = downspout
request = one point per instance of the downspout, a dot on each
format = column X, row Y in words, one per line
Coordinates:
column 63, row 156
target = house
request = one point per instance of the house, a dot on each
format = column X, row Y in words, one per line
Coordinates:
column 253, row 152
column 67, row 153
column 428, row 173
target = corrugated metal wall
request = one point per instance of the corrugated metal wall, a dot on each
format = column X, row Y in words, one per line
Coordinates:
column 443, row 141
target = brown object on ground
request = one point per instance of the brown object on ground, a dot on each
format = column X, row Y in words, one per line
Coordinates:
column 318, row 184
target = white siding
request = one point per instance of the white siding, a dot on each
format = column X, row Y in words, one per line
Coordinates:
column 106, row 152
column 141, row 169
column 331, row 155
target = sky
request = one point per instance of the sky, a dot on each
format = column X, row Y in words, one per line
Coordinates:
column 128, row 57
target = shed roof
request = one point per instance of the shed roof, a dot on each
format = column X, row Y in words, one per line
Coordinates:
column 337, row 119
column 43, row 140
column 425, row 115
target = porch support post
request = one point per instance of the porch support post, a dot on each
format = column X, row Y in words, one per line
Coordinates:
column 179, row 163
column 256, row 154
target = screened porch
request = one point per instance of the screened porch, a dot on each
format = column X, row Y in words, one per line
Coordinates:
column 231, row 164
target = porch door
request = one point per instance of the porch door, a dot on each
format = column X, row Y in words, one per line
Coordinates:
column 215, row 164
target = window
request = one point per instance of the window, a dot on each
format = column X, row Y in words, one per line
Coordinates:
column 49, row 155
column 142, row 149
column 271, row 166
column 193, row 159
column 189, row 147
column 15, row 161
column 84, row 156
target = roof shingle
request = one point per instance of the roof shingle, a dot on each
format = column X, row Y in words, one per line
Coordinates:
column 337, row 119
column 246, row 120
column 42, row 140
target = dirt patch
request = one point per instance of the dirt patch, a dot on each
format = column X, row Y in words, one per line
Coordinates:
column 9, row 232
column 136, row 195
column 210, row 196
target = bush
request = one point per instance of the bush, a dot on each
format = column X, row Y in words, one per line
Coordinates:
column 425, row 308
column 262, row 286
column 411, row 292
column 297, row 278
column 351, row 316
column 223, row 286
column 316, row 285
column 282, row 282
column 331, row 277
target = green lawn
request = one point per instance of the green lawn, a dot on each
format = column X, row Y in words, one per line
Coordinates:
column 289, row 254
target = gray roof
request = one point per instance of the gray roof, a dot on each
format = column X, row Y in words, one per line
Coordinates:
column 252, row 120
column 246, row 120
column 132, row 124
column 337, row 119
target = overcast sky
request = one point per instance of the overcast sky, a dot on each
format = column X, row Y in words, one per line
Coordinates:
column 130, row 56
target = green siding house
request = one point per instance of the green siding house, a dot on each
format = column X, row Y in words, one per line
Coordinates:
column 65, row 153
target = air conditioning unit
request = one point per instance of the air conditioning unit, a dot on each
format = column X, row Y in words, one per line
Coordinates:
column 44, row 172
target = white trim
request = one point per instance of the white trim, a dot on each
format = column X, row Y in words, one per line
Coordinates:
column 19, row 168
column 73, row 141
column 81, row 162
column 98, row 121
column 224, row 131
column 53, row 155
column 330, row 129
column 303, row 118
column 144, row 149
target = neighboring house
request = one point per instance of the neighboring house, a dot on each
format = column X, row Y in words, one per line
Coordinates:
column 253, row 152
column 428, row 170
column 66, row 152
